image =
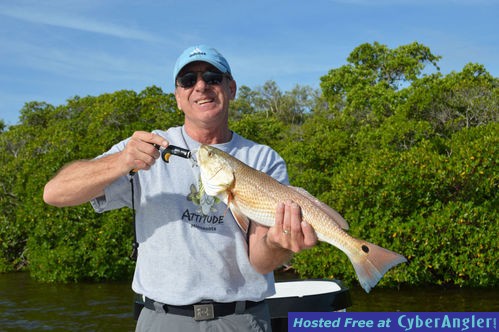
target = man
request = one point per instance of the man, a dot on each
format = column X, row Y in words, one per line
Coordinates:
column 196, row 268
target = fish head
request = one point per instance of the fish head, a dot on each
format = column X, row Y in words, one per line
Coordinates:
column 216, row 170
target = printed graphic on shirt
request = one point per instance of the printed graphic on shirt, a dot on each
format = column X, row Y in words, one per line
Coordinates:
column 203, row 217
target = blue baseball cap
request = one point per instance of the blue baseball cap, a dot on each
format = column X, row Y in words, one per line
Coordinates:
column 201, row 53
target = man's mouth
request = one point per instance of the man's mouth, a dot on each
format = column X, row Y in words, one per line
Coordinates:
column 204, row 101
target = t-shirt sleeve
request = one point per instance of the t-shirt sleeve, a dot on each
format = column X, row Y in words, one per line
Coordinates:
column 278, row 169
column 117, row 194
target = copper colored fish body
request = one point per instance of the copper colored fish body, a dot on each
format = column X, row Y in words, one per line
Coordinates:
column 251, row 194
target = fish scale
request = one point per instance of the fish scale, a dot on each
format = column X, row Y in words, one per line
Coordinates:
column 253, row 195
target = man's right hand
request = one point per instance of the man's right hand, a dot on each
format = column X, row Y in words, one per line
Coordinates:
column 140, row 152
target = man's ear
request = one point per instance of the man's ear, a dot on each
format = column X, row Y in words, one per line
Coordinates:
column 233, row 89
column 177, row 98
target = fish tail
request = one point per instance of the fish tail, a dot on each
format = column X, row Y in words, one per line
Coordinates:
column 372, row 263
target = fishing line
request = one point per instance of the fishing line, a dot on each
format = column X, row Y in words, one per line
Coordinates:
column 165, row 156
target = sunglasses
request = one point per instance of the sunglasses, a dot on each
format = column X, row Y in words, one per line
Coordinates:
column 189, row 79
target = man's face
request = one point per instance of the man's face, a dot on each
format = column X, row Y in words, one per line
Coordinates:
column 205, row 104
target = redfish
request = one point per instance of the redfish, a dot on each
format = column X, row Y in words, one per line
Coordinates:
column 252, row 194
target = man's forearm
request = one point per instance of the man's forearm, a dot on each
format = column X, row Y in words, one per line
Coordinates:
column 81, row 181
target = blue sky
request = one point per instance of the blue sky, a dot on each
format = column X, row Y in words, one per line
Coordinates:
column 53, row 50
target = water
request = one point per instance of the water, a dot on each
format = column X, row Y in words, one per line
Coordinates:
column 26, row 305
column 425, row 299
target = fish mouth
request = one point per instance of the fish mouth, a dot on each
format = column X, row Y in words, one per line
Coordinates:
column 215, row 173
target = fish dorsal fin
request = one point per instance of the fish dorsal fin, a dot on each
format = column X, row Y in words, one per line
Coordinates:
column 333, row 214
column 241, row 219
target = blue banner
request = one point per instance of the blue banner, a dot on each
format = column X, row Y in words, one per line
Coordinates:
column 393, row 321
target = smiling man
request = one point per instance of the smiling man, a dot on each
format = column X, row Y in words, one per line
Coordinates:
column 196, row 269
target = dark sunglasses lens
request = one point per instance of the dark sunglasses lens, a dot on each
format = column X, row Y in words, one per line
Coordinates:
column 213, row 78
column 188, row 80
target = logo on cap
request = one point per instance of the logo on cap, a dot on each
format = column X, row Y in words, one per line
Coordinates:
column 196, row 51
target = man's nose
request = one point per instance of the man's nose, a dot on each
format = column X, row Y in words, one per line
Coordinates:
column 200, row 83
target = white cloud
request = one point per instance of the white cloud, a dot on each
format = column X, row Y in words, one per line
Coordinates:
column 80, row 64
column 66, row 19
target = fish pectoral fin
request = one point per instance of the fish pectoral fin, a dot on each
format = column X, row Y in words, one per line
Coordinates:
column 333, row 214
column 241, row 219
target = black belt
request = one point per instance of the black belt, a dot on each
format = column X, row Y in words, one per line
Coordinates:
column 200, row 311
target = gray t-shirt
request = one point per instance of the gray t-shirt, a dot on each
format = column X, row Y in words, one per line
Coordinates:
column 190, row 247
